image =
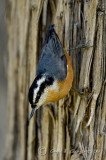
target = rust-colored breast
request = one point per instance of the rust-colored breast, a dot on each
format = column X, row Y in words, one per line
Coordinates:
column 63, row 86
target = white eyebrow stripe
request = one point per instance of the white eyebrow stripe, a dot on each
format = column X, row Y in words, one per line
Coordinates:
column 40, row 81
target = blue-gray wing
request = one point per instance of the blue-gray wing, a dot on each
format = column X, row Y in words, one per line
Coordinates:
column 52, row 59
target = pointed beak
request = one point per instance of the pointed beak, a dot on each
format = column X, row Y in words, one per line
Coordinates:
column 32, row 113
column 34, row 108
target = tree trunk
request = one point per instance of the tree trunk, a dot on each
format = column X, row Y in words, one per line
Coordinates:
column 75, row 127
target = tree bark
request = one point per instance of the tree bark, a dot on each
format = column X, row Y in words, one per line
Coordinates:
column 75, row 127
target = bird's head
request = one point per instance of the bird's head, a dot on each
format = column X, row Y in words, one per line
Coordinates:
column 38, row 92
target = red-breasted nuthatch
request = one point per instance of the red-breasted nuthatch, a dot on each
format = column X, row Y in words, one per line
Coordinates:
column 54, row 74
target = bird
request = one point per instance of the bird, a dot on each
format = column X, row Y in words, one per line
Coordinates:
column 54, row 75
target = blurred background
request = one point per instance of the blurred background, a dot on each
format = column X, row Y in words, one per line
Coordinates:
column 3, row 77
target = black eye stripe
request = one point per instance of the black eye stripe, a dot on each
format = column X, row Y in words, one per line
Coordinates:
column 48, row 81
column 34, row 85
column 30, row 94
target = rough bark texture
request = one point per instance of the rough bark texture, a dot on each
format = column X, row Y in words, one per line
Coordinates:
column 75, row 127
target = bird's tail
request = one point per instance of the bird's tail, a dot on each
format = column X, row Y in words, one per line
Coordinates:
column 53, row 42
column 51, row 27
column 51, row 30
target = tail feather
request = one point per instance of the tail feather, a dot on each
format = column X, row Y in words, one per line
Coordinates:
column 49, row 34
column 52, row 43
column 51, row 27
